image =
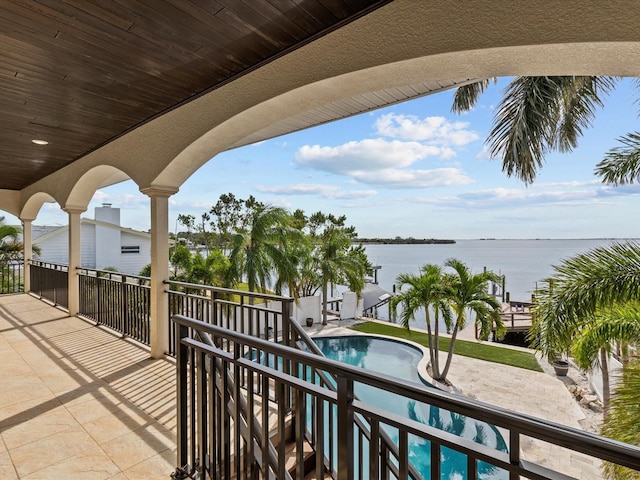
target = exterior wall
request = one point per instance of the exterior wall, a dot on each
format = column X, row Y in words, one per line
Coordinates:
column 55, row 248
column 307, row 307
column 595, row 377
column 132, row 263
column 88, row 244
column 107, row 240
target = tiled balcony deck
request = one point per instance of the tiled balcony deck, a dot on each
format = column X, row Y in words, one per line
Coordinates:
column 76, row 401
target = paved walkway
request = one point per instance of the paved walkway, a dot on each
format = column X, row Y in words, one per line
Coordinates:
column 78, row 402
column 533, row 393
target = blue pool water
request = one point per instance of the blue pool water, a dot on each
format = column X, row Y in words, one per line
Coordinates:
column 400, row 360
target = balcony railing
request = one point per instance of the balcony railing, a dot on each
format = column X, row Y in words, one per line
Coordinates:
column 255, row 314
column 50, row 281
column 218, row 437
column 11, row 277
column 116, row 300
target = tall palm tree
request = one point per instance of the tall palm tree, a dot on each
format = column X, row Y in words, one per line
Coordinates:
column 469, row 293
column 593, row 344
column 339, row 263
column 581, row 285
column 621, row 421
column 257, row 253
column 537, row 115
column 424, row 291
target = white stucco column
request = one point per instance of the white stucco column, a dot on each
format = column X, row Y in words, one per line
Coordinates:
column 75, row 259
column 159, row 268
column 27, row 251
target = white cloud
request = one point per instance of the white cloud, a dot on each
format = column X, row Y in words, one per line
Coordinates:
column 382, row 163
column 324, row 191
column 370, row 154
column 435, row 130
column 401, row 179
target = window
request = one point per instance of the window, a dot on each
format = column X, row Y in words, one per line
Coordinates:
column 129, row 249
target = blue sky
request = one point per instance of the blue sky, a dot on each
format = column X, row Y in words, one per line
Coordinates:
column 413, row 169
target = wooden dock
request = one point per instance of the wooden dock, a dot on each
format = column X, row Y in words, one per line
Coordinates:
column 516, row 316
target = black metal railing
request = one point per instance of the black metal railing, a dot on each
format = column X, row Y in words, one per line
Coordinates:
column 116, row 300
column 362, row 429
column 255, row 314
column 50, row 281
column 11, row 277
column 216, row 439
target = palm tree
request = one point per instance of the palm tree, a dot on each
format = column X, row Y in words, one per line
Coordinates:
column 595, row 280
column 596, row 338
column 537, row 115
column 10, row 247
column 339, row 263
column 257, row 252
column 622, row 419
column 425, row 291
column 469, row 292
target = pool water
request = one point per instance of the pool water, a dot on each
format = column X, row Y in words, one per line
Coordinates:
column 400, row 360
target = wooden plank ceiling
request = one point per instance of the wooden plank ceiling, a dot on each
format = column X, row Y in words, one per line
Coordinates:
column 79, row 73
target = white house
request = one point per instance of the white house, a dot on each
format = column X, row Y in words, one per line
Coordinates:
column 104, row 243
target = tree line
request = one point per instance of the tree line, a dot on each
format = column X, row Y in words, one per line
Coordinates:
column 269, row 249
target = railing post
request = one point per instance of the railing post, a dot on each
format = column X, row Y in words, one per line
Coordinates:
column 514, row 452
column 345, row 428
column 126, row 324
column 182, row 356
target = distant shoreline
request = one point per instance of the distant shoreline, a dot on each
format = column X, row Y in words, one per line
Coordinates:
column 404, row 241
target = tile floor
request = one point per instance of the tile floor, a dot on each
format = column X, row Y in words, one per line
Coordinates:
column 77, row 401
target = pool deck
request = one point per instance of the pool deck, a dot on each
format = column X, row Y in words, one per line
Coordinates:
column 533, row 393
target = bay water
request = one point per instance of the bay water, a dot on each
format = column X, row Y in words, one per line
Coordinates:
column 524, row 263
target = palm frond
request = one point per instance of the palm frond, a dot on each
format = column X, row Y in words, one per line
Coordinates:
column 622, row 421
column 540, row 114
column 466, row 96
column 621, row 165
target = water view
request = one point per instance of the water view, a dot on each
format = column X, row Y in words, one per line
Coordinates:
column 522, row 262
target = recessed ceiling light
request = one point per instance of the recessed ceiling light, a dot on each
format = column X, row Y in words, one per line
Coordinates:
column 40, row 142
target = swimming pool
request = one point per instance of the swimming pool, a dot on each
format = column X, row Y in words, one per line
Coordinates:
column 400, row 360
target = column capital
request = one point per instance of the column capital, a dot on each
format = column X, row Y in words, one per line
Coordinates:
column 159, row 191
column 26, row 220
column 74, row 209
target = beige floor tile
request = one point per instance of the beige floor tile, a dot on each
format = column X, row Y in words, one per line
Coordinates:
column 39, row 427
column 116, row 424
column 48, row 451
column 157, row 467
column 17, row 395
column 135, row 447
column 7, row 470
column 93, row 407
column 92, row 464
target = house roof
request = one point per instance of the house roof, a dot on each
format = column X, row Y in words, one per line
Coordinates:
column 43, row 233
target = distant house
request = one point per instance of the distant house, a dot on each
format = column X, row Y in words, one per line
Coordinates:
column 104, row 243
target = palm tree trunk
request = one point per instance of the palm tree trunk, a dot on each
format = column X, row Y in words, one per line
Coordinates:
column 606, row 389
column 433, row 352
column 454, row 334
column 324, row 303
column 436, row 346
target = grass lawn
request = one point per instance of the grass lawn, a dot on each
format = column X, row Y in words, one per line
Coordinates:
column 481, row 351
